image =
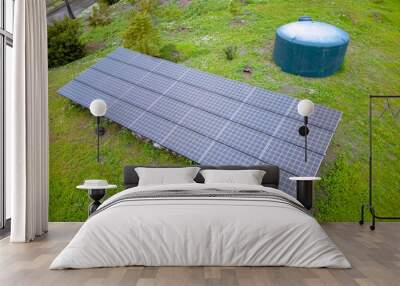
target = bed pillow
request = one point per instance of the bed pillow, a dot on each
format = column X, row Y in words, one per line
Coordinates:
column 166, row 176
column 247, row 177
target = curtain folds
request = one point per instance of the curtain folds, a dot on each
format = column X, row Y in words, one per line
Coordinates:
column 27, row 123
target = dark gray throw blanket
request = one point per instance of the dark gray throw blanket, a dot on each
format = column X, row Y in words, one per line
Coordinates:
column 205, row 193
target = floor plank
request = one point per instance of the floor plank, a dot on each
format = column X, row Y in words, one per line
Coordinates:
column 375, row 257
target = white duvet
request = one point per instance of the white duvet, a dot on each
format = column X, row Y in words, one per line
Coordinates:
column 200, row 231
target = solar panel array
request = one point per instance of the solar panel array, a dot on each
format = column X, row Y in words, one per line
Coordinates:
column 206, row 118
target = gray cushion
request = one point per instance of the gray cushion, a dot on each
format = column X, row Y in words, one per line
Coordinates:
column 270, row 179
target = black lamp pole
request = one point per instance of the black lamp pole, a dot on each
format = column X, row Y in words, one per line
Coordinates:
column 99, row 132
column 304, row 131
column 98, row 138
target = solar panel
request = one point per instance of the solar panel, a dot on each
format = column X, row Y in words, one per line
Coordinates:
column 206, row 118
column 152, row 126
column 204, row 123
column 221, row 154
column 188, row 143
column 171, row 70
column 122, row 113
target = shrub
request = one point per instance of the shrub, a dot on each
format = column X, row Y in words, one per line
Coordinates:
column 170, row 52
column 230, row 52
column 100, row 15
column 64, row 44
column 141, row 35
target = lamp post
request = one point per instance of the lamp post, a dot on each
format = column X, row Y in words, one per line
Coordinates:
column 98, row 108
column 305, row 108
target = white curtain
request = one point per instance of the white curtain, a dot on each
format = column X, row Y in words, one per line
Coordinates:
column 27, row 123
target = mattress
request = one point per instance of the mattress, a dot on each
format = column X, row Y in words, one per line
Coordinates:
column 201, row 225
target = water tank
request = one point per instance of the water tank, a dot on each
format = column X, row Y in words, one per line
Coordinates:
column 309, row 48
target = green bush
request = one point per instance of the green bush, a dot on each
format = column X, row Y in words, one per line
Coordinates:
column 64, row 44
column 170, row 52
column 141, row 35
column 100, row 15
column 230, row 52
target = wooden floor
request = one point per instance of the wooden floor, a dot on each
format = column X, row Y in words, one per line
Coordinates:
column 375, row 257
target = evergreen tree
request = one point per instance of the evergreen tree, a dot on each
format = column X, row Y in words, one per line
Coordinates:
column 141, row 35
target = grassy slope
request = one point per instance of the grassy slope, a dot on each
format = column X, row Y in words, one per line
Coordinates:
column 201, row 32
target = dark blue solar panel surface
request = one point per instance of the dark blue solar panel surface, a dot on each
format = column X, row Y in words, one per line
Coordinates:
column 204, row 117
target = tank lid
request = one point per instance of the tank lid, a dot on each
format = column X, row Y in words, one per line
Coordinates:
column 304, row 18
column 308, row 32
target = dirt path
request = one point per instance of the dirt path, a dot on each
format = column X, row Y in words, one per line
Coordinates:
column 77, row 6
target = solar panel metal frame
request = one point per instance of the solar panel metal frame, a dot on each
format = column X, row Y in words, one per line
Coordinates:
column 207, row 118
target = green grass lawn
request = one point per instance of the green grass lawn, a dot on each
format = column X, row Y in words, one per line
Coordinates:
column 201, row 31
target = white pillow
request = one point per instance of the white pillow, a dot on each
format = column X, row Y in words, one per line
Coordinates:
column 247, row 177
column 166, row 176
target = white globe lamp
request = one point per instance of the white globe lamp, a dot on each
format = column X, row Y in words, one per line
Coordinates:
column 305, row 107
column 98, row 108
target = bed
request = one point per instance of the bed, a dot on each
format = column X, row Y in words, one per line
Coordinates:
column 201, row 224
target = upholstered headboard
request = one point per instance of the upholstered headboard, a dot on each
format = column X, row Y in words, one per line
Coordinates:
column 271, row 177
